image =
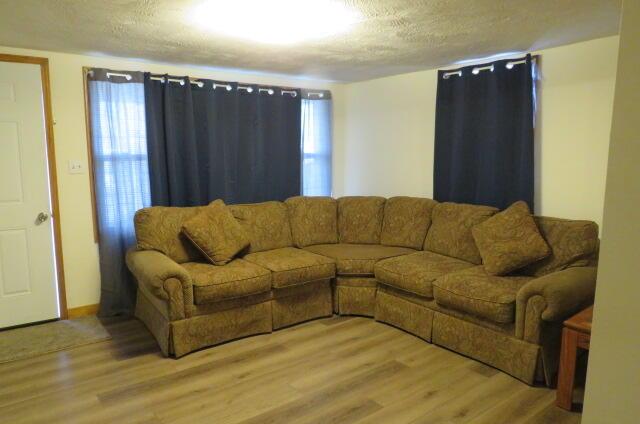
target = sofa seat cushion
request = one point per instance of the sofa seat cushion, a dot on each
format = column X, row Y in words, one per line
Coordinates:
column 475, row 291
column 360, row 282
column 238, row 278
column 416, row 272
column 290, row 266
column 357, row 259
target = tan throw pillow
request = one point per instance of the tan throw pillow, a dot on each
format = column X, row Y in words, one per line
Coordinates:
column 509, row 240
column 216, row 233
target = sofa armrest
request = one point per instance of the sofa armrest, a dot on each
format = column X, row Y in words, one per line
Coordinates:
column 555, row 297
column 164, row 279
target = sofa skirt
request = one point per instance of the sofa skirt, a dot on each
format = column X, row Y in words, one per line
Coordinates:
column 177, row 338
column 494, row 347
column 296, row 304
column 504, row 352
column 355, row 296
column 404, row 314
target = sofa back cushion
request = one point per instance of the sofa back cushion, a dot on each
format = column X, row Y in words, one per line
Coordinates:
column 572, row 243
column 313, row 220
column 159, row 228
column 267, row 225
column 406, row 221
column 450, row 231
column 360, row 219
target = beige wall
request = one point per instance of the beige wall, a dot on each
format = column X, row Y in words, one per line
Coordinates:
column 79, row 250
column 385, row 146
column 383, row 138
column 613, row 379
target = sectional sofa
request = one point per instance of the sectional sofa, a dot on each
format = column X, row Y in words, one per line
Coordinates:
column 408, row 262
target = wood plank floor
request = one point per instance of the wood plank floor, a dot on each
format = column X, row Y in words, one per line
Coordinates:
column 335, row 370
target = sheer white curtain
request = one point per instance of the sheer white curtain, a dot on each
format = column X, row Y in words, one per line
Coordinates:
column 316, row 147
column 119, row 144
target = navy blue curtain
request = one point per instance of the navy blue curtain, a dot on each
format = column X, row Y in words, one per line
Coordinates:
column 209, row 140
column 484, row 149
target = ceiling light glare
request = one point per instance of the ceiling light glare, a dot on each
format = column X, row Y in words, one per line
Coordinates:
column 276, row 21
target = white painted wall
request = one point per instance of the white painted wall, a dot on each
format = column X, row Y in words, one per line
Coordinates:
column 385, row 146
column 80, row 252
column 613, row 378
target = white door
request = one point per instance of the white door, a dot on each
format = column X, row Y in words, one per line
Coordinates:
column 28, row 289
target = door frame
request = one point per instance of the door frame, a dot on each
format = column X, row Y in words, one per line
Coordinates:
column 43, row 62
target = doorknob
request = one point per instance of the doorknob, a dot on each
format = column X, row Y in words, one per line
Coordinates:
column 42, row 216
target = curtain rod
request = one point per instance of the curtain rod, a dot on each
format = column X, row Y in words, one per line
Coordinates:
column 228, row 87
column 477, row 69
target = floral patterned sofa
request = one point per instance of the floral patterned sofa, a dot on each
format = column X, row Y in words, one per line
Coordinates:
column 408, row 262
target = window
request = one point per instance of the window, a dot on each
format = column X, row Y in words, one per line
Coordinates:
column 316, row 147
column 121, row 178
column 119, row 144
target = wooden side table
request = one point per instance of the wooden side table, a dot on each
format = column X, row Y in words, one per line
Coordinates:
column 575, row 334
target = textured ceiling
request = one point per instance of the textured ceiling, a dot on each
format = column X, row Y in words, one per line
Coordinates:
column 396, row 36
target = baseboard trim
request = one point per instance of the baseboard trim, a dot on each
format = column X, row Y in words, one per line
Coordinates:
column 83, row 311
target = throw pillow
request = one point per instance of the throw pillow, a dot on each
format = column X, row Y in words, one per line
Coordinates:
column 216, row 233
column 509, row 240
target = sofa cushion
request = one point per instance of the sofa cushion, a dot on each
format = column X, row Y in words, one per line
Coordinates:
column 509, row 240
column 360, row 282
column 216, row 233
column 313, row 220
column 357, row 259
column 360, row 219
column 450, row 231
column 160, row 228
column 290, row 266
column 572, row 243
column 266, row 223
column 416, row 272
column 238, row 278
column 475, row 291
column 406, row 221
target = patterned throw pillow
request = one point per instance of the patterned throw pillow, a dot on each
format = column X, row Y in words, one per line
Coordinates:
column 216, row 233
column 509, row 240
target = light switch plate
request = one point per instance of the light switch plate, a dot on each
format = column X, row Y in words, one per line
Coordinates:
column 76, row 167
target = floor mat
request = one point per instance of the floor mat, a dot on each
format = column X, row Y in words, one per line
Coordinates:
column 36, row 340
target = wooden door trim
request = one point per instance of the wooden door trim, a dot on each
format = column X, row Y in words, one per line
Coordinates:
column 53, row 176
column 92, row 177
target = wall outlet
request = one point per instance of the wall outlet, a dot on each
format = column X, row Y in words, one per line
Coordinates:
column 76, row 167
